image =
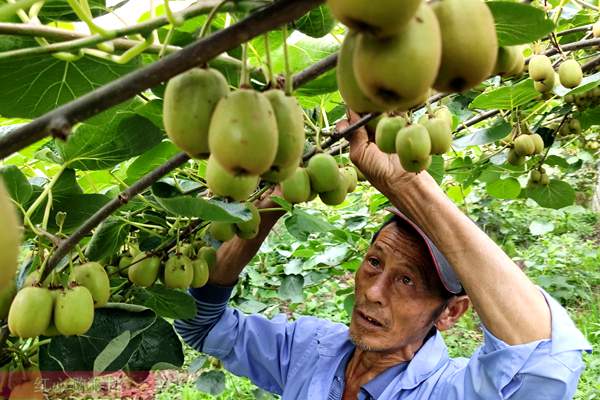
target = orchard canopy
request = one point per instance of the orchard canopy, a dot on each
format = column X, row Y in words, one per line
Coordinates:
column 134, row 137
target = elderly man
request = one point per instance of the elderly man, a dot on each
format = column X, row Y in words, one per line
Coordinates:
column 417, row 278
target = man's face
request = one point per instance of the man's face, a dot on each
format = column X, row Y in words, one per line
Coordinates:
column 396, row 299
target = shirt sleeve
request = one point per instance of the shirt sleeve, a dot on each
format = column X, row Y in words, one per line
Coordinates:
column 248, row 345
column 211, row 302
column 544, row 369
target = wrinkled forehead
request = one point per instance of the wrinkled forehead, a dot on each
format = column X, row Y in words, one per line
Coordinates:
column 401, row 244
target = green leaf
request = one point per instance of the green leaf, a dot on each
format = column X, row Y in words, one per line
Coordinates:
column 556, row 161
column 149, row 160
column 153, row 341
column 292, row 288
column 197, row 207
column 349, row 304
column 540, row 228
column 113, row 349
column 107, row 239
column 301, row 224
column 108, row 139
column 518, row 23
column 211, row 382
column 34, row 86
column 16, row 183
column 557, row 194
column 168, row 303
column 497, row 131
column 436, row 169
column 507, row 189
column 78, row 208
column 59, row 10
column 506, row 97
column 317, row 23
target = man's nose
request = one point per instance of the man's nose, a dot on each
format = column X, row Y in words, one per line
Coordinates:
column 376, row 290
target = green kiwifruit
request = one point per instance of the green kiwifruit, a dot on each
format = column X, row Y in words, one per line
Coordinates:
column 514, row 159
column 124, row 263
column 222, row 231
column 384, row 18
column 145, row 271
column 249, row 229
column 546, row 85
column 574, row 126
column 524, row 145
column 93, row 276
column 189, row 102
column 540, row 68
column 290, row 127
column 209, row 255
column 351, row 177
column 381, row 67
column 10, row 237
column 243, row 133
column 296, row 188
column 353, row 96
column 469, row 44
column 385, row 134
column 179, row 272
column 336, row 196
column 222, row 183
column 535, row 177
column 519, row 66
column 30, row 312
column 74, row 311
column 545, row 179
column 201, row 272
column 276, row 174
column 440, row 135
column 538, row 143
column 596, row 29
column 570, row 74
column 506, row 60
column 7, row 294
column 444, row 113
column 323, row 172
column 413, row 146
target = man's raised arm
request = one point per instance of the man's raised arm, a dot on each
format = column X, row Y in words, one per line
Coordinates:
column 509, row 304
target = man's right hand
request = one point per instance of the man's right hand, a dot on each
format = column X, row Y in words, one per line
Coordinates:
column 236, row 253
column 383, row 170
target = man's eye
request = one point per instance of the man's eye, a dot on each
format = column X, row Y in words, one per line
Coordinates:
column 374, row 262
column 407, row 281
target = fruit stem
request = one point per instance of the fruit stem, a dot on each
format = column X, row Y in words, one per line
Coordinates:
column 264, row 210
column 210, row 18
column 245, row 76
column 289, row 82
column 45, row 193
column 269, row 63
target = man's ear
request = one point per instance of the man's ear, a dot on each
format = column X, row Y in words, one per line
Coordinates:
column 455, row 309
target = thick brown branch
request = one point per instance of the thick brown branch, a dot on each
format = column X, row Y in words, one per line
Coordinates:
column 204, row 50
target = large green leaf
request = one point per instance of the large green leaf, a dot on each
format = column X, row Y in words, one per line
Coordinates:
column 198, row 207
column 168, row 303
column 36, row 85
column 107, row 239
column 150, row 160
column 301, row 224
column 557, row 194
column 108, row 139
column 484, row 136
column 292, row 288
column 17, row 186
column 317, row 23
column 211, row 382
column 518, row 23
column 153, row 340
column 507, row 189
column 59, row 10
column 506, row 97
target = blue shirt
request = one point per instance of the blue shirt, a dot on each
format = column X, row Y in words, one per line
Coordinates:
column 301, row 359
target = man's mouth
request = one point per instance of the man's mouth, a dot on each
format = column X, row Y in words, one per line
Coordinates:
column 368, row 319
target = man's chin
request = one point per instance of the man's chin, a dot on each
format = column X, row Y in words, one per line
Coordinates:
column 363, row 340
